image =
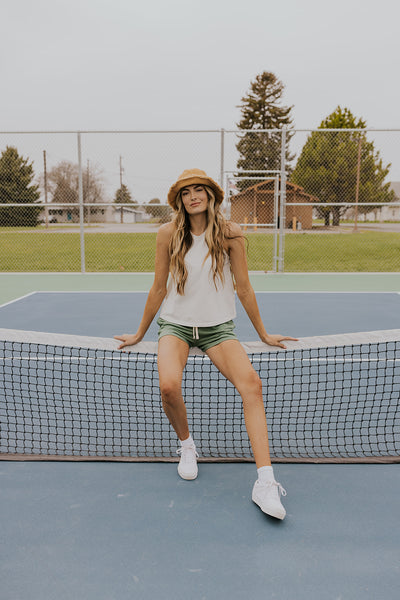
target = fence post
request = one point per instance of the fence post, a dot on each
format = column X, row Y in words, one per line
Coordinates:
column 81, row 214
column 276, row 213
column 282, row 211
column 357, row 184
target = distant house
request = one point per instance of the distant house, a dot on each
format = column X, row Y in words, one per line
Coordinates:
column 382, row 213
column 387, row 213
column 93, row 214
column 130, row 215
column 256, row 204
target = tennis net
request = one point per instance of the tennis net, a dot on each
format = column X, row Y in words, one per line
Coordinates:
column 327, row 399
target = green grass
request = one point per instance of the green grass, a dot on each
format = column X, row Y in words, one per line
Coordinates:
column 117, row 252
column 337, row 252
column 354, row 252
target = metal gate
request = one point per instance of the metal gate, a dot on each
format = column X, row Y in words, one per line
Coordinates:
column 243, row 206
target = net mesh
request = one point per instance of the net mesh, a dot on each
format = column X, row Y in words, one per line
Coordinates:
column 328, row 399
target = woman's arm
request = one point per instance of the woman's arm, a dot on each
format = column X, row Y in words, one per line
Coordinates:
column 244, row 289
column 157, row 291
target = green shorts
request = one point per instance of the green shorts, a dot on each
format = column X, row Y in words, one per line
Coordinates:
column 201, row 337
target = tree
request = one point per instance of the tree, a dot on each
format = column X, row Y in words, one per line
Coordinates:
column 63, row 184
column 16, row 186
column 123, row 196
column 160, row 211
column 329, row 161
column 261, row 109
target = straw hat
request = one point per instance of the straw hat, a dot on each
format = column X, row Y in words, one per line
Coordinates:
column 191, row 177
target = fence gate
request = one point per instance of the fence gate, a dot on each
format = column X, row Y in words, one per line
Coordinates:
column 253, row 199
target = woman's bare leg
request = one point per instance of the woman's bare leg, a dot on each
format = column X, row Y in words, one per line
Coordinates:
column 172, row 357
column 232, row 361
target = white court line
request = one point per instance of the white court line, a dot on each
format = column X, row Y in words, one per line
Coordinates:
column 18, row 299
column 91, row 292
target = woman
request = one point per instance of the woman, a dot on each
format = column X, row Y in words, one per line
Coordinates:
column 198, row 255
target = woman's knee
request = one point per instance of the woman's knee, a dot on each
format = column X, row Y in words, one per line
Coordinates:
column 251, row 385
column 171, row 390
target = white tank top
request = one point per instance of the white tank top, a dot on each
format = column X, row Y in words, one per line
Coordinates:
column 202, row 304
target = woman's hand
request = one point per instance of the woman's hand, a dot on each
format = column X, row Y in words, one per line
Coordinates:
column 276, row 340
column 128, row 339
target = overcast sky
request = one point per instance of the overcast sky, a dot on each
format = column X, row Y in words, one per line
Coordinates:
column 185, row 64
column 129, row 64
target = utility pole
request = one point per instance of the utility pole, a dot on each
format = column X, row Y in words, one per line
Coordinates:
column 121, row 170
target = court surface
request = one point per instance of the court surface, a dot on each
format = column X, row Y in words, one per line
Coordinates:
column 120, row 530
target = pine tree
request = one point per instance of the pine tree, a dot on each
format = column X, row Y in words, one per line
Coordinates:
column 342, row 118
column 123, row 196
column 328, row 163
column 261, row 109
column 16, row 186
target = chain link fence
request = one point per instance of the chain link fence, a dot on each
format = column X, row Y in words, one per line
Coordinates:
column 307, row 200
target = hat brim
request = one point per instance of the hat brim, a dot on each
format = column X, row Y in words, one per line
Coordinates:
column 181, row 183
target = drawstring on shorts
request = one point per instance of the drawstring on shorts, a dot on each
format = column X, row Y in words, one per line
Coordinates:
column 195, row 333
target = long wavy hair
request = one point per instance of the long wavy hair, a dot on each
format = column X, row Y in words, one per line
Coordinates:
column 217, row 231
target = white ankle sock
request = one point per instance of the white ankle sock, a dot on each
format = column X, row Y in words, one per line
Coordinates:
column 266, row 474
column 187, row 443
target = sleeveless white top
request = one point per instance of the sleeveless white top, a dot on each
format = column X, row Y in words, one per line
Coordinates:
column 202, row 304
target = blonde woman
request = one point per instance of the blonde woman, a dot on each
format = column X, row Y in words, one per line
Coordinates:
column 198, row 255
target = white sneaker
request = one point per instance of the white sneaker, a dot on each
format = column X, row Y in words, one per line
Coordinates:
column 187, row 467
column 267, row 496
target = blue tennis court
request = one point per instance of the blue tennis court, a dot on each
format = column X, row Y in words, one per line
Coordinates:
column 297, row 314
column 135, row 530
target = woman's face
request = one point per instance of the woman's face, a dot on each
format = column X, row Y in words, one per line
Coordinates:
column 195, row 199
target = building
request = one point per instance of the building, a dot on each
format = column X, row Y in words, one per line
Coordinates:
column 130, row 215
column 256, row 204
column 94, row 214
column 380, row 213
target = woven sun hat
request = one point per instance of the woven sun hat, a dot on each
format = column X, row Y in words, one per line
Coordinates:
column 191, row 177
